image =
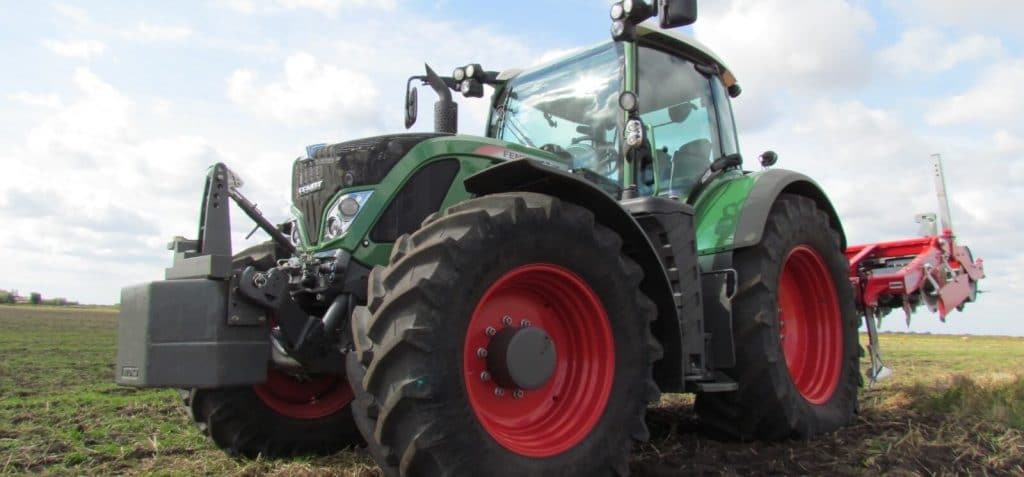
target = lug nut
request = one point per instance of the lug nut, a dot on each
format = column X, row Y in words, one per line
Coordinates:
column 481, row 353
column 499, row 392
column 518, row 394
column 491, row 331
column 485, row 376
column 525, row 323
column 507, row 320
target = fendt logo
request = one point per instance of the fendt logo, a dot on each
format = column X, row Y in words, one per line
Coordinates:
column 311, row 187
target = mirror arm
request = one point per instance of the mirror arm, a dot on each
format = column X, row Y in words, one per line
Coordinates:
column 716, row 168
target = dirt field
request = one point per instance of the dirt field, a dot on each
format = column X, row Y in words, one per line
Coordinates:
column 955, row 406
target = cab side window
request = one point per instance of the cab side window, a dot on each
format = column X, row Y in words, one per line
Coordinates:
column 727, row 125
column 678, row 106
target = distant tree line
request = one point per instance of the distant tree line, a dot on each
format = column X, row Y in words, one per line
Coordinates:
column 35, row 298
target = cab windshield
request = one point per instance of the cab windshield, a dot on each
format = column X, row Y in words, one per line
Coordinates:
column 569, row 108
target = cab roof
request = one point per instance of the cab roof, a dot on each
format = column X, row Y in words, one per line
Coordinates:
column 649, row 31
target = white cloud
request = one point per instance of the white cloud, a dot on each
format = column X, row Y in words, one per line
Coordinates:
column 1007, row 143
column 927, row 50
column 79, row 49
column 402, row 52
column 876, row 169
column 158, row 33
column 160, row 107
column 309, row 90
column 798, row 43
column 247, row 7
column 39, row 100
column 984, row 15
column 784, row 51
column 104, row 198
column 331, row 8
column 991, row 100
column 71, row 12
column 87, row 124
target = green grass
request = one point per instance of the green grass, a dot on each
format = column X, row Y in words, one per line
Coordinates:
column 61, row 413
column 954, row 406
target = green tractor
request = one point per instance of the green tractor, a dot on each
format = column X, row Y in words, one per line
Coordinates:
column 510, row 304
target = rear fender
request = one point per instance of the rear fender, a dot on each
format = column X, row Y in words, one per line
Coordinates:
column 524, row 175
column 733, row 214
column 770, row 184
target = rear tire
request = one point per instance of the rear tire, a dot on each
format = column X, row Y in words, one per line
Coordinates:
column 800, row 380
column 423, row 405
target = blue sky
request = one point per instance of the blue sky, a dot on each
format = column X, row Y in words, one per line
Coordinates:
column 110, row 112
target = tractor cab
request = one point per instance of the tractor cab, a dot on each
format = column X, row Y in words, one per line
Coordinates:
column 571, row 108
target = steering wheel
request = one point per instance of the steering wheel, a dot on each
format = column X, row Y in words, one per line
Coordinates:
column 605, row 160
column 557, row 150
column 587, row 154
column 582, row 153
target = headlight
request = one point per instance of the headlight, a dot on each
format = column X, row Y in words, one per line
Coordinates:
column 343, row 212
column 333, row 227
column 349, row 207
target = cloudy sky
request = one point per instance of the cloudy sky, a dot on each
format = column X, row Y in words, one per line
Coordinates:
column 110, row 113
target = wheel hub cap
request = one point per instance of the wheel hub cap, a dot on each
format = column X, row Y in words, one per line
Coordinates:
column 539, row 360
column 521, row 358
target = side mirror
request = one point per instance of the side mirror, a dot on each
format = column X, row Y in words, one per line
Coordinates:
column 412, row 105
column 769, row 158
column 677, row 13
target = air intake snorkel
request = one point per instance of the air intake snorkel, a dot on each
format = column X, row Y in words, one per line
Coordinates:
column 446, row 111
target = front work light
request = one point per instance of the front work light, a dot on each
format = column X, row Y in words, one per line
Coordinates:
column 634, row 136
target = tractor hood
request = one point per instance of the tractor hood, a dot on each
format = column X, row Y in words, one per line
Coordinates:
column 332, row 167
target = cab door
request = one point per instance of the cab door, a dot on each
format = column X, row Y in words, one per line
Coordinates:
column 689, row 121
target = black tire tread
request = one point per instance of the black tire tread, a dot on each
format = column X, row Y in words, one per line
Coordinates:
column 767, row 406
column 404, row 298
column 241, row 425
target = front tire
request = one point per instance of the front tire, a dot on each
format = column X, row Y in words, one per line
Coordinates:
column 432, row 401
column 795, row 328
column 284, row 417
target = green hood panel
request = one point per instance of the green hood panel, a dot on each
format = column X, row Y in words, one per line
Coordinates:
column 474, row 154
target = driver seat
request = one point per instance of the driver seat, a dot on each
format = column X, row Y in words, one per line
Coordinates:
column 688, row 162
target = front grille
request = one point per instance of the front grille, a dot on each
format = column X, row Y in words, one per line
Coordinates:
column 312, row 203
column 342, row 165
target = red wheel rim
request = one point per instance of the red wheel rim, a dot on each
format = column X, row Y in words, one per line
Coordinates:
column 555, row 417
column 810, row 325
column 309, row 398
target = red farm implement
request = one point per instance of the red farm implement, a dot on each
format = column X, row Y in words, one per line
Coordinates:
column 933, row 270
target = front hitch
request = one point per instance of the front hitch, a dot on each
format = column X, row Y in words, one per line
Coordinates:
column 208, row 325
column 305, row 338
